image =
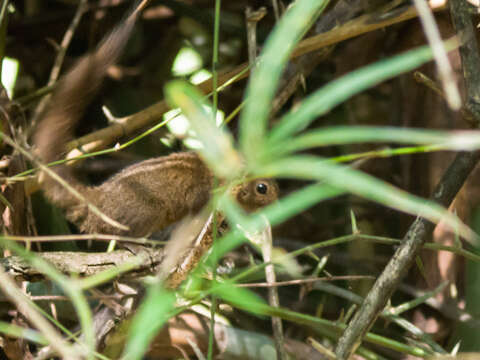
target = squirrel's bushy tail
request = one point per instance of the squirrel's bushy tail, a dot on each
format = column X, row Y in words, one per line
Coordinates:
column 67, row 104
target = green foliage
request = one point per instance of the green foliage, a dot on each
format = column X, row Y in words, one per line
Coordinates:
column 274, row 153
column 156, row 309
column 21, row 332
column 239, row 297
column 264, row 81
column 264, row 152
column 218, row 152
column 336, row 92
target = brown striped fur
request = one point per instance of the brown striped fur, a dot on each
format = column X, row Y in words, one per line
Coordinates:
column 147, row 196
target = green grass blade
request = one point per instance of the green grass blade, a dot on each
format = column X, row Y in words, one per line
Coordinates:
column 16, row 331
column 300, row 201
column 261, row 89
column 279, row 211
column 240, row 297
column 109, row 275
column 218, row 150
column 338, row 91
column 3, row 30
column 340, row 135
column 356, row 182
column 154, row 312
column 276, row 213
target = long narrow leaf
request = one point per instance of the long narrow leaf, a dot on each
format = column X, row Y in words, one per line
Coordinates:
column 16, row 331
column 276, row 213
column 338, row 91
column 444, row 140
column 300, row 201
column 149, row 319
column 261, row 89
column 240, row 297
column 356, row 182
column 217, row 143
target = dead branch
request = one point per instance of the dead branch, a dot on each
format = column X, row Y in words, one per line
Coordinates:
column 86, row 264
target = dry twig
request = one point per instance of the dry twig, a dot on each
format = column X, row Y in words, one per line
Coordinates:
column 439, row 54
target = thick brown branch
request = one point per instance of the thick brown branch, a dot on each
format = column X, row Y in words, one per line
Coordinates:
column 86, row 264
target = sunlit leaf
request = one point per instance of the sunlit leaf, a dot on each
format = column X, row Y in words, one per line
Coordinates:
column 217, row 143
column 263, row 84
column 9, row 74
column 187, row 61
column 336, row 92
column 340, row 135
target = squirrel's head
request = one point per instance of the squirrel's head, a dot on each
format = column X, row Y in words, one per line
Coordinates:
column 255, row 194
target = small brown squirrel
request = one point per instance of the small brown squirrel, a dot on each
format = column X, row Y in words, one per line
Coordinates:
column 147, row 196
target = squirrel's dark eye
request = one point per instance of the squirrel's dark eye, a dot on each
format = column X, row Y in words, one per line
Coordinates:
column 262, row 188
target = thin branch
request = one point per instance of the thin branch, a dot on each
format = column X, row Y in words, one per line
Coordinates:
column 99, row 237
column 439, row 54
column 276, row 9
column 62, row 50
column 116, row 296
column 429, row 83
column 60, row 180
column 26, row 99
column 252, row 18
column 273, row 299
column 306, row 281
column 67, row 38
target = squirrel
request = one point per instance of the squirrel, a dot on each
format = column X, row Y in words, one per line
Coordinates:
column 147, row 196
